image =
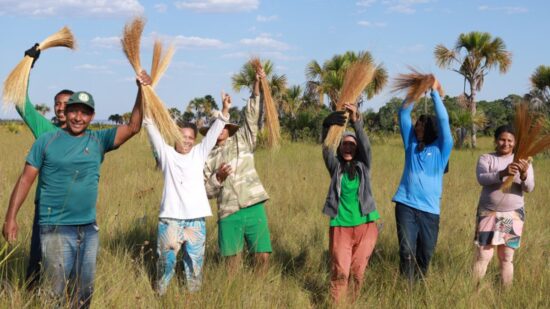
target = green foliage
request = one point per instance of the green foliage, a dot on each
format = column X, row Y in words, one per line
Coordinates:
column 200, row 108
column 247, row 77
column 116, row 119
column 296, row 179
column 329, row 78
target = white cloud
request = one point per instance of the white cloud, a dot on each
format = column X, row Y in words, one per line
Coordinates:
column 365, row 3
column 106, row 42
column 92, row 68
column 95, row 8
column 161, row 7
column 265, row 19
column 506, row 9
column 265, row 41
column 188, row 42
column 276, row 55
column 402, row 8
column 366, row 23
column 217, row 6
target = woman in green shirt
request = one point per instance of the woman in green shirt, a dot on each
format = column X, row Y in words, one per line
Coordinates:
column 350, row 206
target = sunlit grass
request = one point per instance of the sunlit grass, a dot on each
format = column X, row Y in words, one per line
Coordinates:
column 297, row 182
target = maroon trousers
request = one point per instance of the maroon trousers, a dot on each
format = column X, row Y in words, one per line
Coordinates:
column 350, row 249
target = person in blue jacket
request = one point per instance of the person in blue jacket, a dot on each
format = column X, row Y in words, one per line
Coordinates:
column 428, row 146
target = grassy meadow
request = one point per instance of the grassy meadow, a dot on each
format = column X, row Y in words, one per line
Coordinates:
column 296, row 179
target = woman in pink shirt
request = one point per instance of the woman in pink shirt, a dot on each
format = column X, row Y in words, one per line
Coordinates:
column 500, row 215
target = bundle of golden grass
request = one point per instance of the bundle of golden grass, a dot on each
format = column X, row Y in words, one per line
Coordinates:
column 15, row 85
column 270, row 107
column 530, row 137
column 416, row 85
column 357, row 77
column 153, row 105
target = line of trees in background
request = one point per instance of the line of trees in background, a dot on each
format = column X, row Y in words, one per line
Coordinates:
column 302, row 109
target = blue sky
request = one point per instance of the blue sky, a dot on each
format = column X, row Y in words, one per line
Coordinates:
column 215, row 37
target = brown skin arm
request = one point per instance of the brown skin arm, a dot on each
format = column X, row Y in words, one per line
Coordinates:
column 18, row 195
column 126, row 131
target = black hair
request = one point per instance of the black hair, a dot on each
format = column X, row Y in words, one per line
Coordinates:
column 188, row 125
column 64, row 91
column 430, row 128
column 504, row 129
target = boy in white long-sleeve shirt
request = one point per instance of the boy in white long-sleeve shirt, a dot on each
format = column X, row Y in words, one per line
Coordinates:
column 184, row 203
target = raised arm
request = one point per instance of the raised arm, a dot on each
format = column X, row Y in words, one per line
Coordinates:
column 18, row 196
column 126, row 131
column 212, row 135
column 32, row 118
column 405, row 123
column 252, row 114
column 363, row 147
column 157, row 142
column 445, row 137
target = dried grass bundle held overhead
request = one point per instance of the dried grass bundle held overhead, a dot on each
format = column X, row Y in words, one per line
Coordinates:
column 15, row 85
column 357, row 77
column 270, row 107
column 153, row 105
column 415, row 83
column 530, row 137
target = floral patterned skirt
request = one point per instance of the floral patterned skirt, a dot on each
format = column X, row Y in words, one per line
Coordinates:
column 499, row 228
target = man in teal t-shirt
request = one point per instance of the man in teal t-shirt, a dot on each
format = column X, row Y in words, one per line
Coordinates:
column 38, row 124
column 68, row 162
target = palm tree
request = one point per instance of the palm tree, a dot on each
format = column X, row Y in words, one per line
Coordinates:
column 292, row 101
column 329, row 78
column 247, row 76
column 174, row 113
column 115, row 118
column 539, row 96
column 42, row 109
column 475, row 54
column 202, row 107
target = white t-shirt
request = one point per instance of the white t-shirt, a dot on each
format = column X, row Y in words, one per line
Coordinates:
column 184, row 195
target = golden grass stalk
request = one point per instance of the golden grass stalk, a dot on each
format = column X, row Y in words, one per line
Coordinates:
column 160, row 61
column 415, row 83
column 153, row 105
column 530, row 137
column 358, row 75
column 270, row 107
column 15, row 85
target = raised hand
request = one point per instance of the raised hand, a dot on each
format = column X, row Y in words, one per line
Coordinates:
column 226, row 101
column 143, row 78
column 34, row 53
column 352, row 110
column 260, row 74
column 335, row 118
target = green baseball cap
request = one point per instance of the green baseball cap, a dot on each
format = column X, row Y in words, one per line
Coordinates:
column 82, row 97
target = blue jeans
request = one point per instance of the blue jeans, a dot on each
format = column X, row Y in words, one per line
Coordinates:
column 417, row 234
column 69, row 259
column 172, row 235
